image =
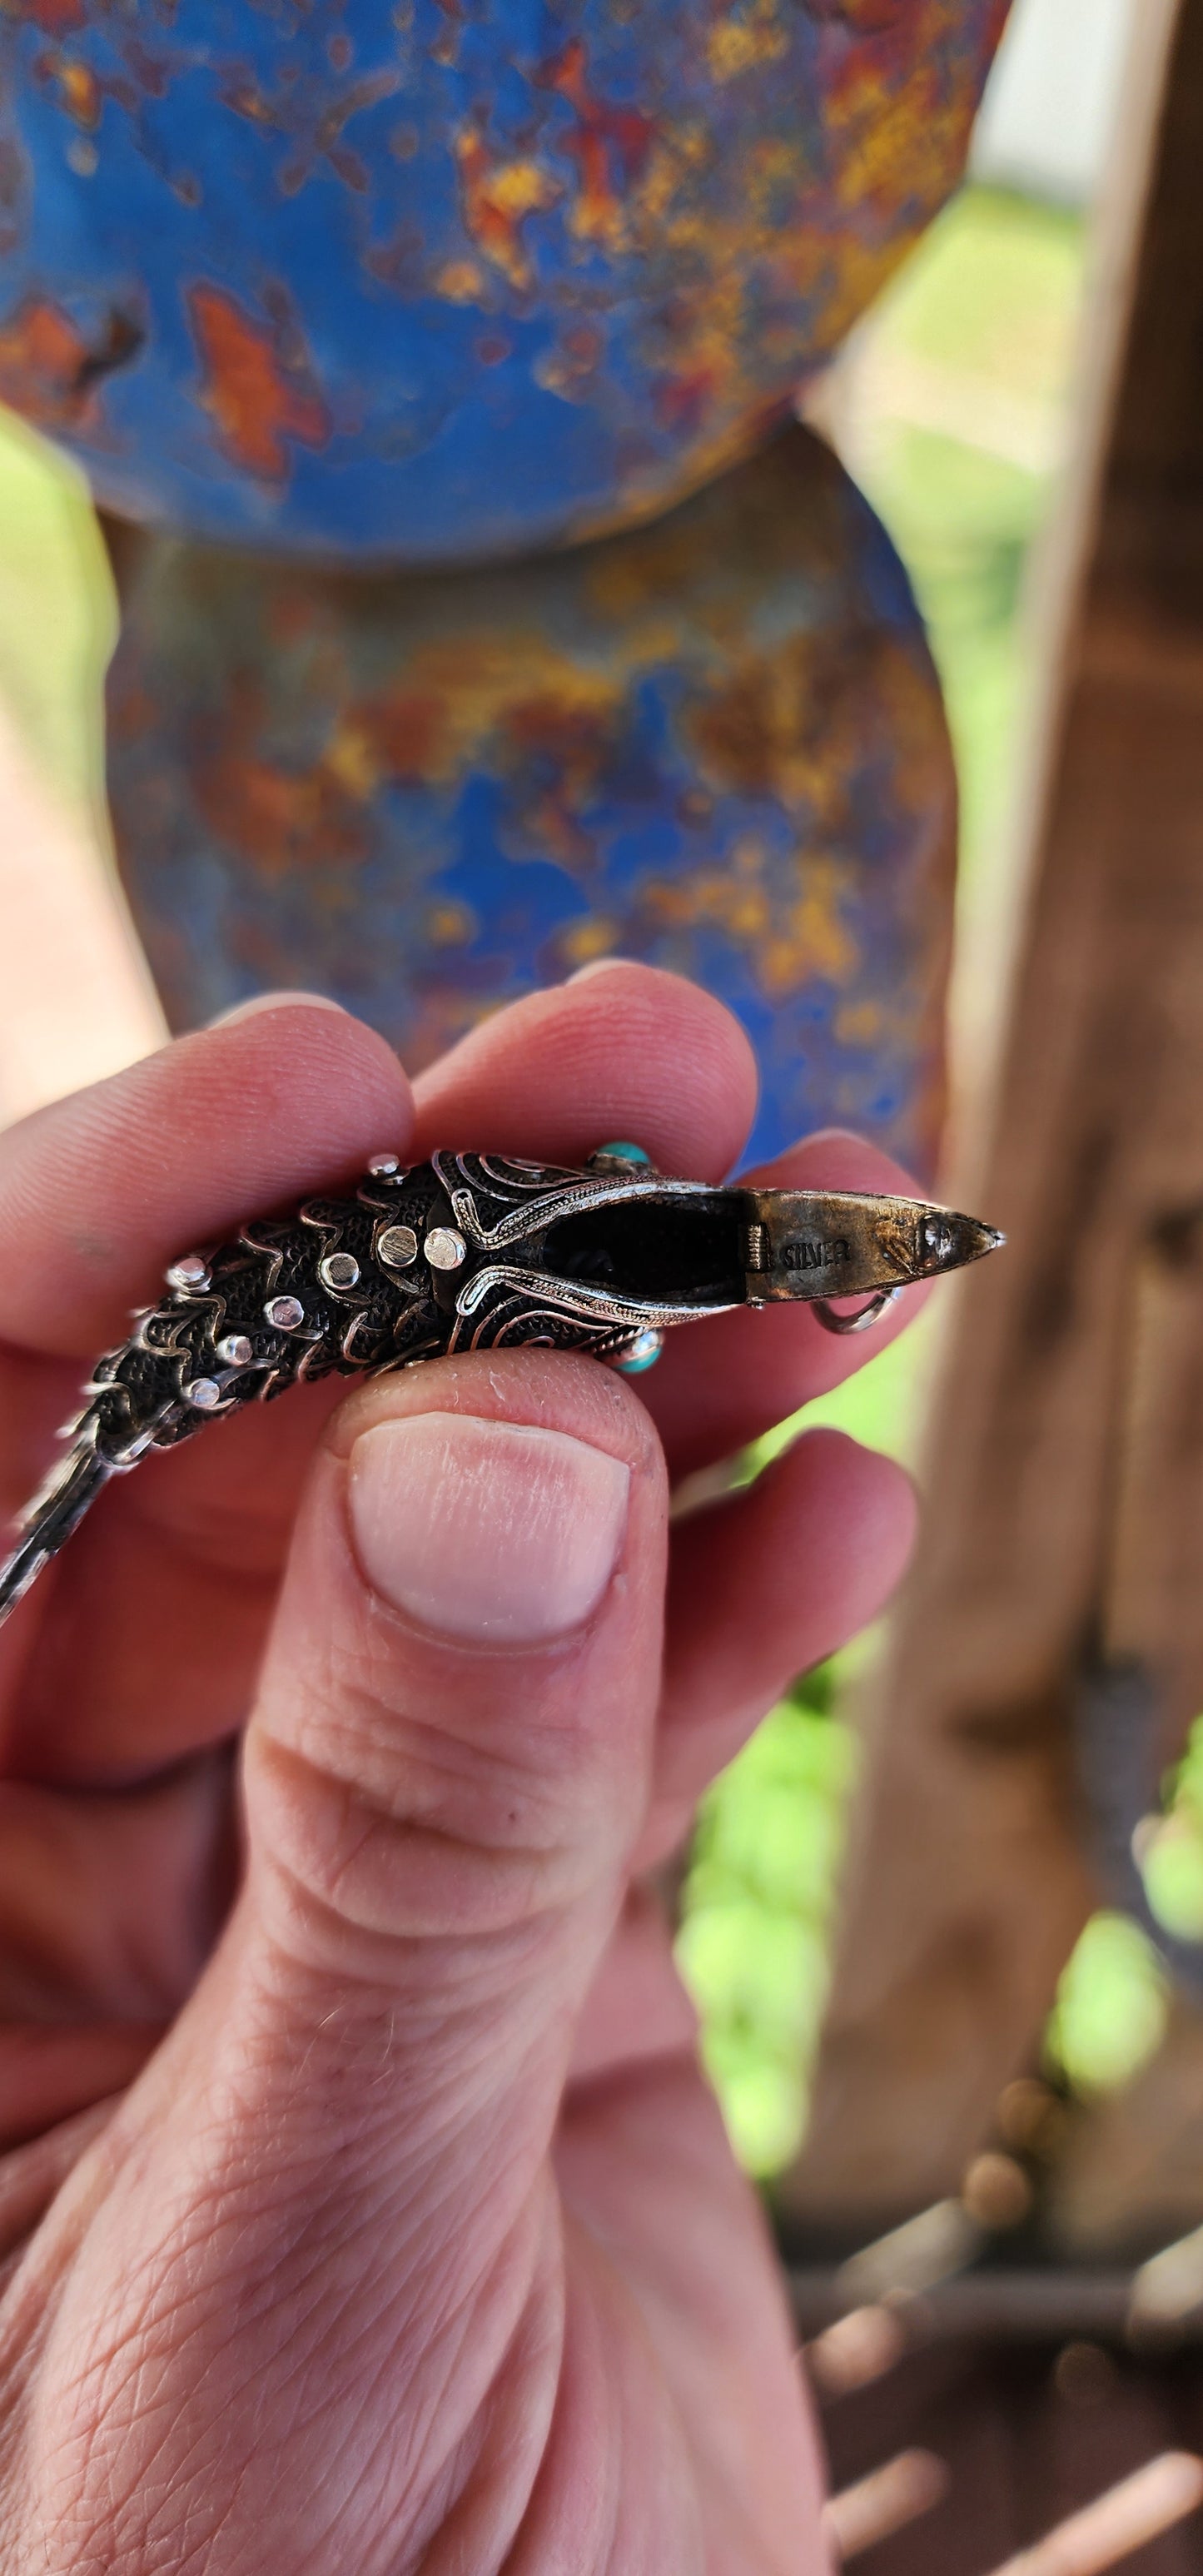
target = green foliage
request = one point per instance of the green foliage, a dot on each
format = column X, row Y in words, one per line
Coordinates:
column 1110, row 2013
column 57, row 613
column 753, row 1945
column 1111, row 2004
column 1171, row 1852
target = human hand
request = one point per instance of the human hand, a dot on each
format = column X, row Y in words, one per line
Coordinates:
column 364, row 2208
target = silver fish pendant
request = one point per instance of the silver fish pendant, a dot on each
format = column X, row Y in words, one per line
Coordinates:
column 471, row 1252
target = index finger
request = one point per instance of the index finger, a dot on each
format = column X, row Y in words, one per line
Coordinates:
column 99, row 1190
column 722, row 1382
column 180, row 1559
column 620, row 1050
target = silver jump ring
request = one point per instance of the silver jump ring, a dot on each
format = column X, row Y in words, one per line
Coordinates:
column 864, row 1316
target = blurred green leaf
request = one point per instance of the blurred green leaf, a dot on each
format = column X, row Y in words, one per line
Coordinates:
column 58, row 617
column 1110, row 2015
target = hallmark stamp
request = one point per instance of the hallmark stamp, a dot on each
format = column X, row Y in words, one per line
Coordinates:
column 805, row 1254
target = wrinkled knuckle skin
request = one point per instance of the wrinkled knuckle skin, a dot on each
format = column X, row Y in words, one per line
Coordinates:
column 429, row 1840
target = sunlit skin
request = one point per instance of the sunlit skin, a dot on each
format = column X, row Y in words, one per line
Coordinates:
column 363, row 2206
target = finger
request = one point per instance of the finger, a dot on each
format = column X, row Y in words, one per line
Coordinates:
column 99, row 1190
column 646, row 2170
column 721, row 1383
column 762, row 1587
column 631, row 1052
column 152, row 1623
column 109, row 1907
column 174, row 1571
column 637, row 2010
column 444, row 1778
column 31, row 2175
column 57, row 2074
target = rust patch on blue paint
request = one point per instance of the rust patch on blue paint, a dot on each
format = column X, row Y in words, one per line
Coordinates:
column 555, row 269
column 716, row 744
column 258, row 390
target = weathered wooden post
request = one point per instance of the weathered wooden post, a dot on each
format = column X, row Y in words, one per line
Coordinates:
column 1063, row 1511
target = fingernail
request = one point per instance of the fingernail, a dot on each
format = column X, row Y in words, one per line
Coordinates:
column 491, row 1532
column 598, row 966
column 274, row 1002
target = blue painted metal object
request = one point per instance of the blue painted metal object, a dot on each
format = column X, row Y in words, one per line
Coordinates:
column 716, row 743
column 434, row 280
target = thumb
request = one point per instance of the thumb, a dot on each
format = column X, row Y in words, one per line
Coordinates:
column 333, row 2178
column 451, row 1754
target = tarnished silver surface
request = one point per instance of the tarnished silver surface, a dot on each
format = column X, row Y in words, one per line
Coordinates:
column 470, row 1252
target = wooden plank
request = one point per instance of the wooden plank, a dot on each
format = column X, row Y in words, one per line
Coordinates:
column 1152, row 1596
column 1029, row 2435
column 967, row 1886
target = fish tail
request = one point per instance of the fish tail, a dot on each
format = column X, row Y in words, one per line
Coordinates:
column 50, row 1519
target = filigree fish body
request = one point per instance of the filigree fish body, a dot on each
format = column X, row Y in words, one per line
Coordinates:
column 468, row 1252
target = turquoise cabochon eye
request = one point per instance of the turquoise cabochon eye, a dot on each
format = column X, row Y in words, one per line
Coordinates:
column 622, row 1153
column 643, row 1354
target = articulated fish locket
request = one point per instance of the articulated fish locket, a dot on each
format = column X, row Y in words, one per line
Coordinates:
column 472, row 1252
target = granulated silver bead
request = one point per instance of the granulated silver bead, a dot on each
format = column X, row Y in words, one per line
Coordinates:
column 398, row 1247
column 190, row 1271
column 204, row 1393
column 445, row 1248
column 338, row 1270
column 285, row 1313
